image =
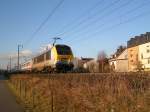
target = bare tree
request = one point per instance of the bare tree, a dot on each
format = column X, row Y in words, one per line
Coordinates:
column 101, row 60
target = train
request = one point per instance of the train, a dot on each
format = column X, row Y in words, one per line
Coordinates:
column 59, row 58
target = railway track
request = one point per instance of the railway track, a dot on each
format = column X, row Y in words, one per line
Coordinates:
column 47, row 75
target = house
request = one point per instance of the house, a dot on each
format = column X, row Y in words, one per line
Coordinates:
column 139, row 52
column 112, row 64
column 119, row 63
column 77, row 63
column 80, row 62
column 144, row 56
column 133, row 58
column 92, row 66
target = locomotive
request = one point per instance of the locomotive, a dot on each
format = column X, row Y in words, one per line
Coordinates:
column 59, row 58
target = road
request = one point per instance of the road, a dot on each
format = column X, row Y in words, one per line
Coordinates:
column 7, row 100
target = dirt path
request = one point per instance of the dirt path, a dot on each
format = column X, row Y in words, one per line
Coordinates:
column 7, row 100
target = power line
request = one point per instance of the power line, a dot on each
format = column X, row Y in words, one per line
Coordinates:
column 19, row 46
column 90, row 17
column 126, row 13
column 103, row 9
column 86, row 12
column 118, row 24
column 102, row 17
column 44, row 22
column 81, row 16
column 110, row 20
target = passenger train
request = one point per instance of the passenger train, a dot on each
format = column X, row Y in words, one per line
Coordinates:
column 59, row 58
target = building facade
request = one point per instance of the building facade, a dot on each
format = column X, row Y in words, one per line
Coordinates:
column 139, row 52
column 133, row 58
column 120, row 62
column 112, row 64
column 144, row 56
column 92, row 66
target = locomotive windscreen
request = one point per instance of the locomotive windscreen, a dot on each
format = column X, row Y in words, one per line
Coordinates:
column 63, row 50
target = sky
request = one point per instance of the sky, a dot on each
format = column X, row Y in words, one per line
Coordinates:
column 88, row 26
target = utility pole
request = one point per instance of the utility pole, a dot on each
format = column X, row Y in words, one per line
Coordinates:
column 19, row 54
column 7, row 68
column 10, row 63
column 55, row 39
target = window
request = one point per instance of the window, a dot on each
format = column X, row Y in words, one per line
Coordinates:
column 63, row 50
column 131, row 55
column 148, row 51
column 136, row 57
column 148, row 61
column 142, row 56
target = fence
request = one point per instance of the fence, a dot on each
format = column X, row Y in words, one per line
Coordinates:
column 82, row 93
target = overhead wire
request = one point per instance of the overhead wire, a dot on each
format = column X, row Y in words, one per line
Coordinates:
column 83, row 14
column 100, row 18
column 97, row 4
column 90, row 17
column 87, row 12
column 110, row 20
column 116, row 25
column 49, row 16
column 44, row 22
column 108, row 6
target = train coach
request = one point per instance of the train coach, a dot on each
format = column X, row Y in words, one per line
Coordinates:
column 26, row 66
column 59, row 58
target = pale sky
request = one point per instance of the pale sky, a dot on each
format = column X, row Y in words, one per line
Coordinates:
column 88, row 26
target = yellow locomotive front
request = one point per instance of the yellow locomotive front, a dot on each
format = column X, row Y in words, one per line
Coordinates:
column 62, row 56
column 58, row 58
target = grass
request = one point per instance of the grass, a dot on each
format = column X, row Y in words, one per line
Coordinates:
column 83, row 92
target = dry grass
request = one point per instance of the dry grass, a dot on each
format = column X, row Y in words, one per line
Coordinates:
column 83, row 92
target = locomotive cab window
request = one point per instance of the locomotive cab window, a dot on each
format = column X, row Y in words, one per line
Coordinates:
column 63, row 50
